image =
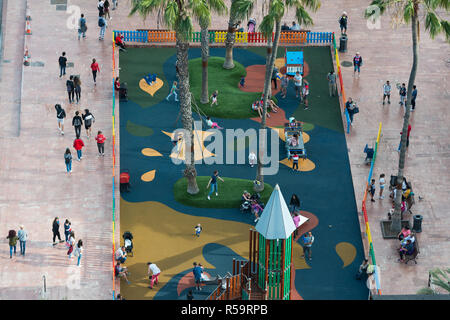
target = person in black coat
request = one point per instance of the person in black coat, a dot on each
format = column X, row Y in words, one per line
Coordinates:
column 55, row 230
column 295, row 202
column 77, row 122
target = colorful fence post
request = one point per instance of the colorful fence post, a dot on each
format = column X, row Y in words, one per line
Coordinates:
column 113, row 167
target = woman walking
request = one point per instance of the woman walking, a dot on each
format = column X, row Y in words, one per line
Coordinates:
column 77, row 122
column 68, row 161
column 295, row 202
column 78, row 144
column 78, row 251
column 95, row 68
column 55, row 230
column 77, row 85
column 67, row 229
column 100, row 138
column 12, row 242
column 71, row 244
column 88, row 120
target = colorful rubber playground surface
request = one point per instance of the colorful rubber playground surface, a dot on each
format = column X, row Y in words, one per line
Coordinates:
column 163, row 227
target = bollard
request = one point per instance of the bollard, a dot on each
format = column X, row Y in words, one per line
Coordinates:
column 343, row 43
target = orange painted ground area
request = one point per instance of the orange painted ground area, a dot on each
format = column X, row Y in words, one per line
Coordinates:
column 275, row 120
column 254, row 81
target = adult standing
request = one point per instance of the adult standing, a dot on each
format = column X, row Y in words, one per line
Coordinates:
column 12, row 237
column 77, row 122
column 78, row 251
column 55, row 230
column 82, row 27
column 274, row 77
column 387, row 91
column 331, row 77
column 68, row 162
column 101, row 8
column 307, row 241
column 343, row 20
column 95, row 68
column 284, row 85
column 295, row 202
column 23, row 237
column 153, row 274
column 197, row 271
column 78, row 144
column 402, row 93
column 213, row 183
column 357, row 63
column 305, row 94
column 70, row 86
column 88, row 119
column 67, row 228
column 100, row 138
column 60, row 115
column 297, row 83
column 77, row 87
column 413, row 98
column 106, row 9
column 62, row 61
column 102, row 24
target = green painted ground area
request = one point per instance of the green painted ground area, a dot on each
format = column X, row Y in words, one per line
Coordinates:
column 230, row 193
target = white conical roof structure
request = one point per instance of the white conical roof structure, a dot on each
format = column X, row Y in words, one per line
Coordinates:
column 276, row 221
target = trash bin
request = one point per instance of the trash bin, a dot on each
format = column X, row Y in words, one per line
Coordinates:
column 417, row 226
column 343, row 43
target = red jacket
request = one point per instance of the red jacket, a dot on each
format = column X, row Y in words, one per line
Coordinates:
column 100, row 138
column 95, row 67
column 78, row 144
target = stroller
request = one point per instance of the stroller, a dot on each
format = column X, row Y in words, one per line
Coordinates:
column 251, row 25
column 245, row 207
column 125, row 181
column 369, row 154
column 128, row 242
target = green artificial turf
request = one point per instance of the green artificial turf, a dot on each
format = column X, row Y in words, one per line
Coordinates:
column 230, row 193
column 233, row 102
column 140, row 62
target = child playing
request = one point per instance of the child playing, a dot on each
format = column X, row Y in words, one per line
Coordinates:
column 198, row 230
column 173, row 91
column 382, row 184
column 242, row 82
column 214, row 98
column 371, row 189
column 212, row 124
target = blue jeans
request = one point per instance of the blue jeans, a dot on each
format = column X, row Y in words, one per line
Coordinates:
column 79, row 154
column 213, row 187
column 102, row 32
column 11, row 250
column 22, row 247
column 357, row 68
column 62, row 70
column 79, row 259
column 173, row 93
column 81, row 33
column 307, row 251
column 69, row 166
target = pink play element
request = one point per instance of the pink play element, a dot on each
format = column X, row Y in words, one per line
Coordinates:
column 188, row 281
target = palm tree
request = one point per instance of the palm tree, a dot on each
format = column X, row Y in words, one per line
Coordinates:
column 238, row 11
column 437, row 277
column 274, row 16
column 177, row 16
column 219, row 7
column 407, row 11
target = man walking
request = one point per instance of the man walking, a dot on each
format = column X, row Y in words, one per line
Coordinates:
column 332, row 83
column 62, row 64
column 213, row 183
column 402, row 93
column 357, row 63
column 153, row 274
column 70, row 89
column 307, row 241
column 77, row 122
column 197, row 271
column 387, row 92
column 82, row 27
column 413, row 98
column 102, row 24
column 60, row 115
column 23, row 237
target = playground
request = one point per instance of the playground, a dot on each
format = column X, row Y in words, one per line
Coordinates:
column 160, row 214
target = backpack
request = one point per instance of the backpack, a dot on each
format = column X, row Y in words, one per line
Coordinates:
column 67, row 157
column 61, row 114
column 101, row 23
column 77, row 122
column 88, row 120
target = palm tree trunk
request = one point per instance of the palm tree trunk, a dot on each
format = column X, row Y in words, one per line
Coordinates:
column 205, row 54
column 270, row 62
column 229, row 42
column 396, row 218
column 186, row 114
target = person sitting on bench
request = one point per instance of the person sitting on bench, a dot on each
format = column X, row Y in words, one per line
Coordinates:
column 406, row 249
column 119, row 42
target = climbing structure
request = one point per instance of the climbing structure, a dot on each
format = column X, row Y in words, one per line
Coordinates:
column 267, row 275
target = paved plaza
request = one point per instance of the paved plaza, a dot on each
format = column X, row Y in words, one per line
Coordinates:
column 34, row 187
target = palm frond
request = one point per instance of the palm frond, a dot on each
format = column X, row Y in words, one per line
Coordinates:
column 446, row 29
column 276, row 9
column 303, row 17
column 266, row 25
column 313, row 5
column 218, row 6
column 432, row 24
column 171, row 14
column 408, row 11
column 441, row 278
column 242, row 8
column 381, row 4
